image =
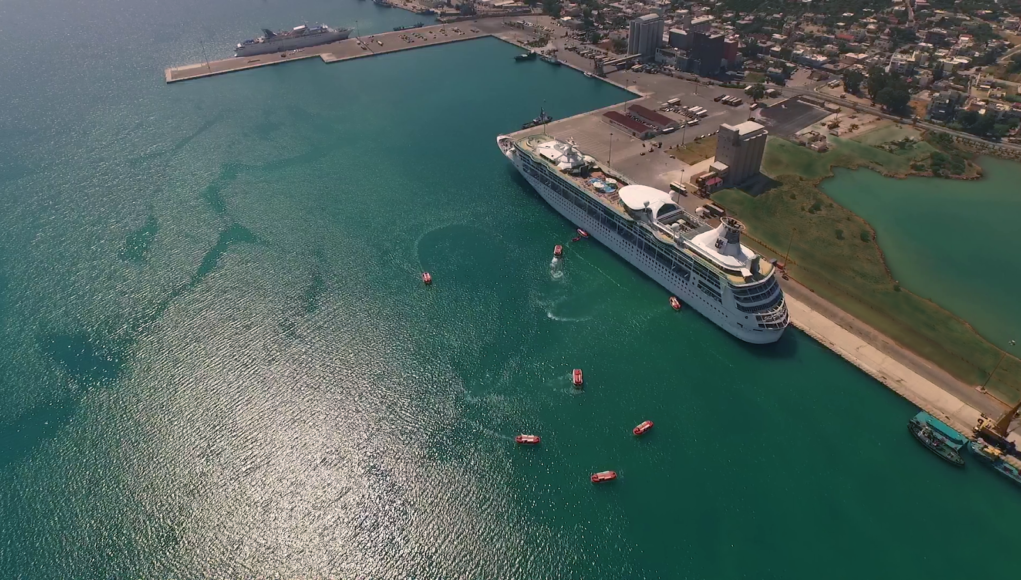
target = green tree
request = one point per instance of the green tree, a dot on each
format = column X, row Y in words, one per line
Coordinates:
column 852, row 81
column 877, row 81
column 1014, row 64
column 619, row 46
column 894, row 99
column 756, row 91
column 551, row 7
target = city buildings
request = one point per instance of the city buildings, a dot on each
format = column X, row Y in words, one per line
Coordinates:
column 679, row 39
column 706, row 54
column 645, row 35
column 740, row 148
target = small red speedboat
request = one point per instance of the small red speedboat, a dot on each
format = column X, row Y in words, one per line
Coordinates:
column 603, row 476
column 576, row 378
column 642, row 428
column 675, row 303
column 427, row 278
column 527, row 439
column 582, row 233
column 558, row 251
column 576, row 239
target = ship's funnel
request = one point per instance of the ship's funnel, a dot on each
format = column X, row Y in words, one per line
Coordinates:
column 728, row 237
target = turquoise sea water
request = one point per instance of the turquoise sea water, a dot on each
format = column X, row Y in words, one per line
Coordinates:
column 219, row 361
column 954, row 242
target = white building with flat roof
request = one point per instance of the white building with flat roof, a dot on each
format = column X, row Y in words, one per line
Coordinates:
column 740, row 148
column 645, row 35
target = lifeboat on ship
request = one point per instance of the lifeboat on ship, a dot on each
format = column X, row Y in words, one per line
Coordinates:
column 675, row 303
column 582, row 233
column 427, row 278
column 558, row 251
column 527, row 439
column 642, row 428
column 603, row 476
column 577, row 378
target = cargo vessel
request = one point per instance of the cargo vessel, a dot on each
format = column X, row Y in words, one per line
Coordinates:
column 297, row 37
column 993, row 457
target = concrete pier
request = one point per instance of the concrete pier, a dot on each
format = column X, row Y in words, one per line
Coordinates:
column 351, row 48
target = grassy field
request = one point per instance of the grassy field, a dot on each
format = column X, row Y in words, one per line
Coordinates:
column 834, row 252
column 695, row 151
column 786, row 158
column 891, row 132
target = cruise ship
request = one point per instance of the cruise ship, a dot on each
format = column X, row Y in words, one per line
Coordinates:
column 707, row 268
column 298, row 37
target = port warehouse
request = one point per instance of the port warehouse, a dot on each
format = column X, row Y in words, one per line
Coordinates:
column 641, row 122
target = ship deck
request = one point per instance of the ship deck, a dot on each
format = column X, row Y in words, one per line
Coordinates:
column 591, row 184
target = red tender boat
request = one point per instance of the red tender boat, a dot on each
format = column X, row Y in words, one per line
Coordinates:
column 603, row 476
column 576, row 239
column 558, row 251
column 582, row 233
column 527, row 439
column 576, row 378
column 675, row 303
column 642, row 428
column 427, row 278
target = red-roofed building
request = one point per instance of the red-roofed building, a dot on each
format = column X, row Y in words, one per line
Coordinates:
column 631, row 126
column 650, row 117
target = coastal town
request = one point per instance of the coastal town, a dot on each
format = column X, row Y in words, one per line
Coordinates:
column 955, row 65
column 729, row 104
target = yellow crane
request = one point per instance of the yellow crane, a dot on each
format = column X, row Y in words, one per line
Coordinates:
column 995, row 432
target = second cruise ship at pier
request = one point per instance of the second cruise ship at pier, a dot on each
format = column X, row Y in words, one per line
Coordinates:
column 707, row 268
column 298, row 37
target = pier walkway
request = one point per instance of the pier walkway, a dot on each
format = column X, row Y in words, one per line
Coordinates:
column 904, row 381
column 351, row 48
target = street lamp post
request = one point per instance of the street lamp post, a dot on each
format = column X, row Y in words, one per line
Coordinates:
column 609, row 156
column 789, row 243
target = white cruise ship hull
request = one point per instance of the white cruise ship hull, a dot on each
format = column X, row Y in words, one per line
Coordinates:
column 282, row 44
column 685, row 291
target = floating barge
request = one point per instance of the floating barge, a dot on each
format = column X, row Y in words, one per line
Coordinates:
column 938, row 437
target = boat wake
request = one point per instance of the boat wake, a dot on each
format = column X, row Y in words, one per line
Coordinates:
column 556, row 272
column 551, row 316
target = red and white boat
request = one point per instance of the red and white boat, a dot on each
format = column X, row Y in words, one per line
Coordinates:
column 582, row 233
column 642, row 428
column 527, row 439
column 603, row 476
column 576, row 378
column 427, row 278
column 675, row 303
column 558, row 251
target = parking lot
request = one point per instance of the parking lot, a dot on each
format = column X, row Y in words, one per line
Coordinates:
column 788, row 117
column 648, row 162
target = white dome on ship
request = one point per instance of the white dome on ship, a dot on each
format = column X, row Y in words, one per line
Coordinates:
column 643, row 197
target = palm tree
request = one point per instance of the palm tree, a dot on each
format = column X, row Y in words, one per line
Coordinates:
column 756, row 91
